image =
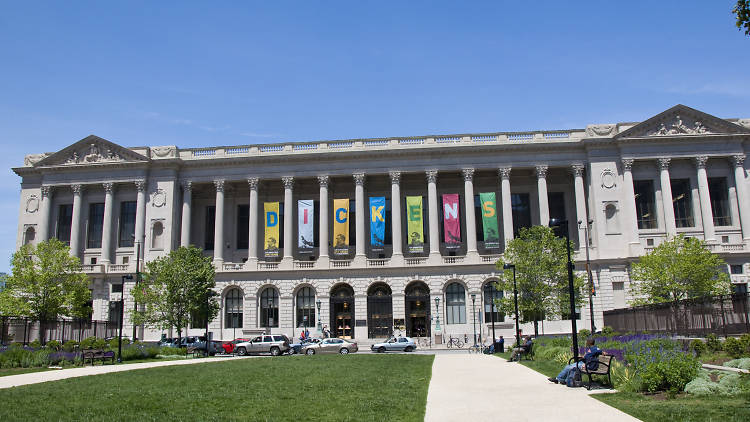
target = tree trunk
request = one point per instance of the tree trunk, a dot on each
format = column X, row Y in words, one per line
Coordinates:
column 536, row 328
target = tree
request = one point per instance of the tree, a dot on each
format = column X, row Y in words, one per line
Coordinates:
column 176, row 288
column 541, row 275
column 46, row 283
column 742, row 11
column 680, row 268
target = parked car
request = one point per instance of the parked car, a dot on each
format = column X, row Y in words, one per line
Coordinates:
column 214, row 347
column 405, row 344
column 230, row 345
column 167, row 342
column 297, row 347
column 275, row 344
column 331, row 345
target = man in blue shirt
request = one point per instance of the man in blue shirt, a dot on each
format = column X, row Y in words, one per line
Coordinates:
column 590, row 359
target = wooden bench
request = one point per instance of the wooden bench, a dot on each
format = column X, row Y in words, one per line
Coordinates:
column 97, row 354
column 196, row 351
column 527, row 354
column 604, row 368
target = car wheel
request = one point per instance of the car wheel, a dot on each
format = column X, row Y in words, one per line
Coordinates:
column 275, row 351
column 408, row 349
column 241, row 351
column 310, row 352
column 344, row 351
column 292, row 351
column 381, row 349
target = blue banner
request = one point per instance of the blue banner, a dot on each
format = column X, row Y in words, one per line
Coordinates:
column 377, row 222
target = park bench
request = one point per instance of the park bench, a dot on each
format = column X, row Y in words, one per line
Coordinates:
column 196, row 351
column 97, row 354
column 527, row 354
column 604, row 368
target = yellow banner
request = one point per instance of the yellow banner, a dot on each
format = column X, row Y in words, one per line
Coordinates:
column 271, row 243
column 340, row 226
column 414, row 220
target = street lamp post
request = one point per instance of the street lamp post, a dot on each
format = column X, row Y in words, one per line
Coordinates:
column 320, row 327
column 474, row 310
column 122, row 311
column 437, row 314
column 588, row 273
column 571, row 288
column 515, row 300
column 492, row 315
column 137, row 279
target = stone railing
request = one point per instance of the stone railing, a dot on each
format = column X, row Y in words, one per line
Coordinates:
column 118, row 268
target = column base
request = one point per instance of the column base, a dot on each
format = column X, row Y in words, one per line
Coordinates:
column 251, row 264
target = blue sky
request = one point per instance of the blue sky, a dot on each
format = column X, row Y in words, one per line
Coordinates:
column 201, row 74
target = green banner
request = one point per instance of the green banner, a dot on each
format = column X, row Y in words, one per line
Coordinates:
column 489, row 220
column 414, row 219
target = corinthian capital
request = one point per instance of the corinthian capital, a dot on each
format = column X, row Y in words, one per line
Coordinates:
column 431, row 176
column 288, row 182
column 395, row 177
column 700, row 161
column 47, row 191
column 140, row 185
column 541, row 172
column 252, row 183
column 359, row 179
column 219, row 185
column 664, row 163
column 577, row 170
column 108, row 187
column 323, row 181
column 468, row 174
column 504, row 173
column 627, row 164
column 739, row 160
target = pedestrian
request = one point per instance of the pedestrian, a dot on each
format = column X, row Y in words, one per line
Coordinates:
column 500, row 347
column 326, row 331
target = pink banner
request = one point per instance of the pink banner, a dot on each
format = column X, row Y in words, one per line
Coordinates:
column 451, row 219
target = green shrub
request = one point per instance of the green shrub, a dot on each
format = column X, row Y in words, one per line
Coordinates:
column 70, row 345
column 550, row 352
column 584, row 333
column 100, row 343
column 745, row 340
column 669, row 373
column 88, row 343
column 172, row 351
column 713, row 343
column 54, row 345
column 35, row 344
column 734, row 347
column 703, row 387
column 607, row 330
column 698, row 346
column 743, row 363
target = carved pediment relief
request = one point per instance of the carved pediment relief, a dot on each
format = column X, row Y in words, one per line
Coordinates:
column 91, row 150
column 681, row 120
column 169, row 151
column 595, row 131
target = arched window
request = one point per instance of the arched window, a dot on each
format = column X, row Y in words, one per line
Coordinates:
column 233, row 309
column 157, row 234
column 269, row 308
column 491, row 293
column 29, row 236
column 305, row 307
column 455, row 304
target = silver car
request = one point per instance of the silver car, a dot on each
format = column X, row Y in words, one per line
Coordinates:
column 275, row 344
column 330, row 345
column 405, row 344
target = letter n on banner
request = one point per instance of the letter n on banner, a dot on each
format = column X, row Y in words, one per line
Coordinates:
column 415, row 224
column 489, row 220
column 451, row 221
column 341, row 226
column 305, row 225
column 377, row 223
column 271, row 243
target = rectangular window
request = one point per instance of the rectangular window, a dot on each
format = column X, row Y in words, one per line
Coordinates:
column 739, row 289
column 243, row 226
column 719, row 193
column 64, row 220
column 645, row 204
column 117, row 288
column 735, row 269
column 682, row 202
column 208, row 241
column 556, row 201
column 521, row 206
column 96, row 224
column 127, row 224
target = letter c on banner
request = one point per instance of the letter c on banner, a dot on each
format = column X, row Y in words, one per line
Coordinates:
column 489, row 209
column 272, row 219
column 338, row 215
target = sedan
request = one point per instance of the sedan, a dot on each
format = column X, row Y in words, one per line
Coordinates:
column 405, row 344
column 331, row 345
column 297, row 347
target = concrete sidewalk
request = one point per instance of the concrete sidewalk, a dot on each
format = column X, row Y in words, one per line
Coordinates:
column 485, row 388
column 44, row 376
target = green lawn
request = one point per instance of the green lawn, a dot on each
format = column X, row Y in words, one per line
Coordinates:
column 4, row 372
column 682, row 408
column 355, row 387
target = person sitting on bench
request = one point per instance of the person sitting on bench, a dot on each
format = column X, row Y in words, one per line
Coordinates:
column 518, row 351
column 590, row 359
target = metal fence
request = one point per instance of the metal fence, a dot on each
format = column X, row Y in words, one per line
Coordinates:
column 25, row 330
column 721, row 315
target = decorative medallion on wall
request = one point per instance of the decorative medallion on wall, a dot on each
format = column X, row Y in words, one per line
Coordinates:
column 600, row 130
column 608, row 179
column 159, row 198
column 32, row 204
column 164, row 152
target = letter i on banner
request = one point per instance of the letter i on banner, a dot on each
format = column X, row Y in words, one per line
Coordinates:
column 451, row 221
column 305, row 226
column 341, row 226
column 415, row 224
column 489, row 220
column 377, row 223
column 271, row 244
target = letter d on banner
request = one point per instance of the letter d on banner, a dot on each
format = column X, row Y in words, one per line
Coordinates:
column 271, row 243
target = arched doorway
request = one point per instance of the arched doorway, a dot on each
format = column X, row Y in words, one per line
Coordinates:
column 417, row 309
column 379, row 311
column 342, row 311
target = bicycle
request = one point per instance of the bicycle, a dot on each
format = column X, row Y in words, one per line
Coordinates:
column 452, row 341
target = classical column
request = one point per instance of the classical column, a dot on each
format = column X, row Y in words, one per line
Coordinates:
column 75, row 221
column 632, row 211
column 742, row 198
column 323, row 235
column 288, row 220
column 504, row 174
column 541, row 182
column 396, row 214
column 252, row 235
column 580, row 192
column 433, row 210
column 107, row 228
column 219, row 223
column 709, row 233
column 46, row 210
column 666, row 196
column 187, row 203
column 359, row 198
column 471, row 224
column 140, row 216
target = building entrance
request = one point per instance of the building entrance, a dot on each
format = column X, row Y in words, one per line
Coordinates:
column 379, row 311
column 342, row 311
column 417, row 310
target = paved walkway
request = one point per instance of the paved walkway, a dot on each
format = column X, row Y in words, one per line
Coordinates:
column 487, row 388
column 44, row 376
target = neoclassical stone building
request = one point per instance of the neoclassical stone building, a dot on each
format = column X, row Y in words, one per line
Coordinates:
column 366, row 234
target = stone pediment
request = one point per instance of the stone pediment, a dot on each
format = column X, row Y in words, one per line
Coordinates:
column 91, row 150
column 682, row 120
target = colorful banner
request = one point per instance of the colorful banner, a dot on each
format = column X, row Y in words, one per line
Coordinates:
column 489, row 220
column 451, row 221
column 415, row 225
column 377, row 223
column 271, row 243
column 305, row 226
column 341, row 226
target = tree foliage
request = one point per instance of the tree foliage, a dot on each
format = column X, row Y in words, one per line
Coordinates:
column 46, row 283
column 175, row 288
column 541, row 275
column 679, row 268
column 742, row 11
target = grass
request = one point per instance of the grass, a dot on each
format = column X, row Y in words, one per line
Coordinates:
column 659, row 408
column 4, row 372
column 343, row 388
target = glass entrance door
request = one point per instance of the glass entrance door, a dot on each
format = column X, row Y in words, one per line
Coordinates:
column 417, row 310
column 342, row 312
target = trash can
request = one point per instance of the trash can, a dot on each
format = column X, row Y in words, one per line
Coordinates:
column 438, row 339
